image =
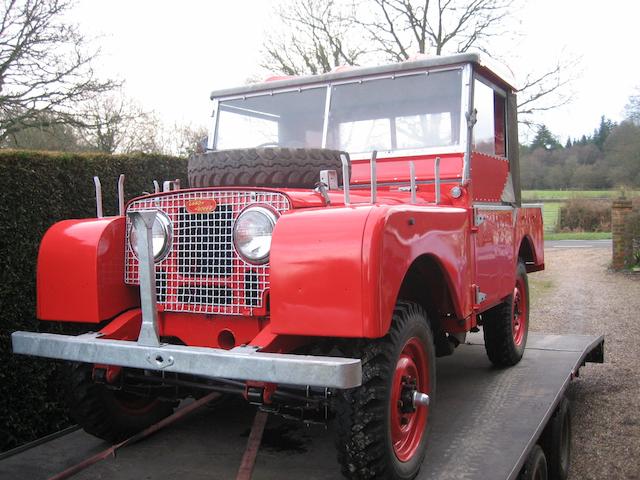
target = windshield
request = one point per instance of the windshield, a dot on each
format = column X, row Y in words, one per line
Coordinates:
column 401, row 113
column 289, row 119
column 408, row 112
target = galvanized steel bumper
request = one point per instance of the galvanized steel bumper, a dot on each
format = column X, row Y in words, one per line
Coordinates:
column 241, row 363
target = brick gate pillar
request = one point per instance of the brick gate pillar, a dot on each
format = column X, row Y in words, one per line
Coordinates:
column 622, row 241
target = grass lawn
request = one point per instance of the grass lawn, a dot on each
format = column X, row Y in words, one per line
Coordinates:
column 578, row 236
column 534, row 195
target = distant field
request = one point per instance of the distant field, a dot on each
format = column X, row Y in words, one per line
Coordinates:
column 554, row 199
column 529, row 195
column 578, row 236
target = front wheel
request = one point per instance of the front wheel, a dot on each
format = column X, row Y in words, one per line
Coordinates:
column 506, row 326
column 383, row 424
column 112, row 415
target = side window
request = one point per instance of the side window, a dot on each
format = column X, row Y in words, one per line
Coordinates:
column 489, row 132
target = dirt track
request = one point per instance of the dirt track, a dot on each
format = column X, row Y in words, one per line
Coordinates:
column 577, row 294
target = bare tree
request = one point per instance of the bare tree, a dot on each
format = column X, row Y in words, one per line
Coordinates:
column 46, row 136
column 316, row 39
column 403, row 28
column 397, row 30
column 114, row 123
column 45, row 65
column 189, row 139
column 544, row 90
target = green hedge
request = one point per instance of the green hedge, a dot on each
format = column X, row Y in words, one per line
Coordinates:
column 38, row 189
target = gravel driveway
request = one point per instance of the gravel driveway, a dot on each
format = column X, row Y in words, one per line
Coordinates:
column 577, row 294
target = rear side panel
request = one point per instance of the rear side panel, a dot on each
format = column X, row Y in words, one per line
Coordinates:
column 81, row 271
column 530, row 229
column 495, row 256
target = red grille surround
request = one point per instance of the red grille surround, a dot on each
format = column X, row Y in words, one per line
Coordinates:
column 203, row 273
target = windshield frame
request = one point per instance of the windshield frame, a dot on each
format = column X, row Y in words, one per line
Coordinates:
column 465, row 105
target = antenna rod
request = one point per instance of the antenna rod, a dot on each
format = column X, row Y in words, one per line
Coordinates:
column 436, row 169
column 412, row 173
column 374, row 178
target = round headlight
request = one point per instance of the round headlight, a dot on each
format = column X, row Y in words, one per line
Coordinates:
column 252, row 234
column 160, row 237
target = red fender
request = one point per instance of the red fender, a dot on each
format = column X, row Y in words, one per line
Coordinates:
column 81, row 271
column 327, row 265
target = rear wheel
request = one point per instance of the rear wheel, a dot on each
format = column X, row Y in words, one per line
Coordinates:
column 506, row 326
column 536, row 466
column 112, row 415
column 382, row 426
column 556, row 441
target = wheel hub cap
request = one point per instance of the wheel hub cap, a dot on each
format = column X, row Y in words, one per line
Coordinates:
column 408, row 416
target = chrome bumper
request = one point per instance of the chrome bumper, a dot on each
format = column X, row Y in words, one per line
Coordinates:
column 241, row 363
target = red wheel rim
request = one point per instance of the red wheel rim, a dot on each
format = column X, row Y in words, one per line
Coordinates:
column 132, row 404
column 407, row 428
column 519, row 314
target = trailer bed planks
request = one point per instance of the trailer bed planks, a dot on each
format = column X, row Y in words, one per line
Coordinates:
column 485, row 422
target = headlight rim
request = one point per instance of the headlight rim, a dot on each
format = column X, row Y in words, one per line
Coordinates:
column 271, row 215
column 167, row 228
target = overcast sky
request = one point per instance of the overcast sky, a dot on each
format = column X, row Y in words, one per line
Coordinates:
column 171, row 54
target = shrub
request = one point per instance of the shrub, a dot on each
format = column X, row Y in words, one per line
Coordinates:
column 38, row 189
column 583, row 215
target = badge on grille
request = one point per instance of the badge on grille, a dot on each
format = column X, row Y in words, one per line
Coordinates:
column 201, row 205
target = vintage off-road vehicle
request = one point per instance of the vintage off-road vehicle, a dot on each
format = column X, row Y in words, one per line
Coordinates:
column 339, row 233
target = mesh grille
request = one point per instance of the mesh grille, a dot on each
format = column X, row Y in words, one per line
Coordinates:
column 202, row 272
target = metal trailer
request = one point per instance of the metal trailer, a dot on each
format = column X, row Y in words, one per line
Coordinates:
column 495, row 417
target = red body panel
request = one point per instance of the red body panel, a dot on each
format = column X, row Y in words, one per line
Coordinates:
column 397, row 168
column 495, row 257
column 316, row 256
column 439, row 232
column 529, row 228
column 358, row 259
column 191, row 329
column 356, row 256
column 488, row 177
column 81, row 271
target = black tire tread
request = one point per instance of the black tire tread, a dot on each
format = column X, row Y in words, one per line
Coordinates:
column 272, row 167
column 360, row 411
column 496, row 327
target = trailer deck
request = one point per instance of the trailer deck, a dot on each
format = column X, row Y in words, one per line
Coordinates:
column 494, row 416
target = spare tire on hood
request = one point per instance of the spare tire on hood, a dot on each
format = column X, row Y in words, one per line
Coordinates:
column 263, row 167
